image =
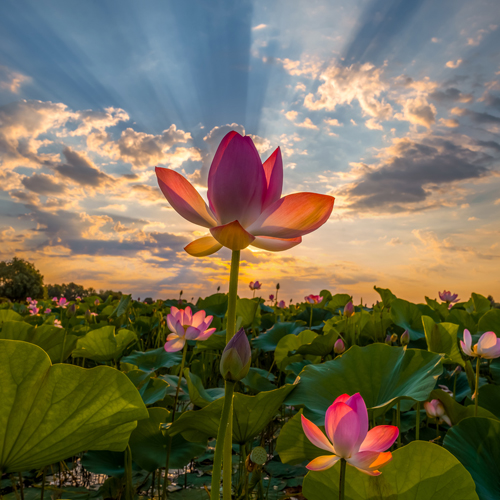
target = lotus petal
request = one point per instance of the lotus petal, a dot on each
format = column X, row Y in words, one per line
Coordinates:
column 342, row 428
column 232, row 236
column 322, row 463
column 369, row 461
column 314, row 434
column 380, row 438
column 273, row 169
column 275, row 244
column 207, row 245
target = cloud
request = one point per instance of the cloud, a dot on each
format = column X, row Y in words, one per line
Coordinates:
column 333, row 122
column 454, row 64
column 418, row 112
column 372, row 124
column 450, row 95
column 480, row 34
column 90, row 120
column 435, row 40
column 259, row 27
column 307, row 123
column 450, row 123
column 43, row 184
column 11, row 80
column 394, row 242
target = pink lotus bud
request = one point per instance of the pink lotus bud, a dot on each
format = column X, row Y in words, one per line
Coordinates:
column 255, row 285
column 405, row 338
column 435, row 409
column 97, row 302
column 388, row 340
column 236, row 357
column 282, row 304
column 349, row 309
column 47, row 311
column 271, row 297
column 339, row 347
column 394, row 338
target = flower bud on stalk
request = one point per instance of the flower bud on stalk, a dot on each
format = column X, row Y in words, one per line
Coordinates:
column 339, row 347
column 236, row 357
column 71, row 311
column 405, row 338
column 349, row 309
column 394, row 338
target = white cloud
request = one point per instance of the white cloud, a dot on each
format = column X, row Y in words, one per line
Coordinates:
column 454, row 64
column 450, row 123
column 418, row 112
column 435, row 40
column 333, row 122
column 12, row 80
column 373, row 124
column 259, row 27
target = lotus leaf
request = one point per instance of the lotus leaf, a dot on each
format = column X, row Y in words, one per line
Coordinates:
column 386, row 295
column 103, row 345
column 49, row 413
column 322, row 345
column 215, row 305
column 269, row 340
column 152, row 360
column 489, row 398
column 250, row 415
column 259, row 380
column 9, row 315
column 418, row 471
column 382, row 374
column 197, row 393
column 249, row 312
column 489, row 322
column 476, row 443
column 289, row 343
column 442, row 339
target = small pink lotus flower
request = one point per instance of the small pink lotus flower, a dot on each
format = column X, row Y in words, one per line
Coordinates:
column 47, row 311
column 488, row 346
column 346, row 425
column 78, row 298
column 282, row 304
column 34, row 311
column 313, row 299
column 57, row 323
column 186, row 326
column 245, row 205
column 255, row 285
column 28, row 300
column 447, row 296
column 271, row 297
column 435, row 409
column 339, row 347
column 97, row 302
column 349, row 309
column 63, row 302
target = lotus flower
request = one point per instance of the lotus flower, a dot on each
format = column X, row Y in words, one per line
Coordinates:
column 245, row 205
column 313, row 299
column 34, row 311
column 236, row 357
column 185, row 325
column 488, row 346
column 349, row 309
column 435, row 409
column 448, row 296
column 255, row 285
column 57, row 323
column 348, row 437
column 47, row 311
column 405, row 338
column 282, row 304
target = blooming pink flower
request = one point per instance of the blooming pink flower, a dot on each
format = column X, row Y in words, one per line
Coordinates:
column 435, row 409
column 313, row 299
column 255, row 285
column 488, row 346
column 47, row 311
column 63, row 302
column 185, row 325
column 57, row 323
column 348, row 437
column 282, row 304
column 245, row 205
column 34, row 311
column 448, row 296
column 28, row 300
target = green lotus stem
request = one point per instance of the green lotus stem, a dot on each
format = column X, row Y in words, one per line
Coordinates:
column 64, row 345
column 233, row 295
column 343, row 465
column 129, row 493
column 227, row 453
column 221, row 438
column 398, row 420
column 437, row 427
column 21, row 485
column 43, row 483
column 417, row 430
column 169, row 447
column 311, row 317
column 476, row 398
column 455, row 386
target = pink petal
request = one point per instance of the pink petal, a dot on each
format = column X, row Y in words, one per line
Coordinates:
column 188, row 315
column 380, row 438
column 232, row 236
column 369, row 461
column 273, row 169
column 488, row 346
column 198, row 318
column 322, row 463
column 171, row 322
column 184, row 198
column 314, row 434
column 206, row 334
column 207, row 245
column 342, row 427
column 175, row 345
column 468, row 339
column 357, row 403
column 174, row 311
column 192, row 333
column 343, row 398
column 236, row 181
column 293, row 216
column 275, row 244
column 466, row 349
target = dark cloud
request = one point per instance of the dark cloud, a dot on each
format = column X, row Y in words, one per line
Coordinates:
column 492, row 101
column 80, row 170
column 489, row 144
column 481, row 118
column 451, row 94
column 42, row 184
column 414, row 172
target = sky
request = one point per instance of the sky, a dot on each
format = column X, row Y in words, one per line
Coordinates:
column 390, row 106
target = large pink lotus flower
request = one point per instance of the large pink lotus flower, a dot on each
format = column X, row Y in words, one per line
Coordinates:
column 255, row 285
column 313, row 299
column 348, row 437
column 435, row 409
column 245, row 205
column 488, row 346
column 185, row 325
column 447, row 296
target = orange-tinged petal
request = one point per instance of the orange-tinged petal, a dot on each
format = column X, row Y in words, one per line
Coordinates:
column 275, row 244
column 314, row 434
column 207, row 245
column 184, row 198
column 380, row 438
column 369, row 461
column 273, row 169
column 322, row 463
column 232, row 236
column 293, row 216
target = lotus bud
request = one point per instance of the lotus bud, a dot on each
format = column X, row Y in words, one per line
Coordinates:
column 71, row 311
column 394, row 338
column 271, row 297
column 277, row 286
column 349, row 309
column 236, row 358
column 87, row 315
column 405, row 338
column 339, row 347
column 388, row 340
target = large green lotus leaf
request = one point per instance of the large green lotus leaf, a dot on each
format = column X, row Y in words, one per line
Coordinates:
column 50, row 338
column 489, row 398
column 463, row 319
column 215, row 305
column 153, row 360
column 49, row 413
column 495, row 370
column 476, row 443
column 216, row 342
column 248, row 311
column 386, row 295
column 291, row 343
column 259, row 380
column 481, row 303
column 440, row 307
column 418, row 471
column 103, row 345
column 489, row 322
column 250, row 415
column 338, row 301
column 9, row 315
column 269, row 340
column 408, row 316
column 322, row 345
column 382, row 375
column 149, row 444
column 198, row 395
column 122, row 306
column 442, row 339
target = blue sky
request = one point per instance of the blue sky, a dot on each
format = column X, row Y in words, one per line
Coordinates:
column 393, row 107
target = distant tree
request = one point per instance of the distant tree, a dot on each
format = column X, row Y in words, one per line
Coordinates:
column 104, row 294
column 20, row 279
column 69, row 291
